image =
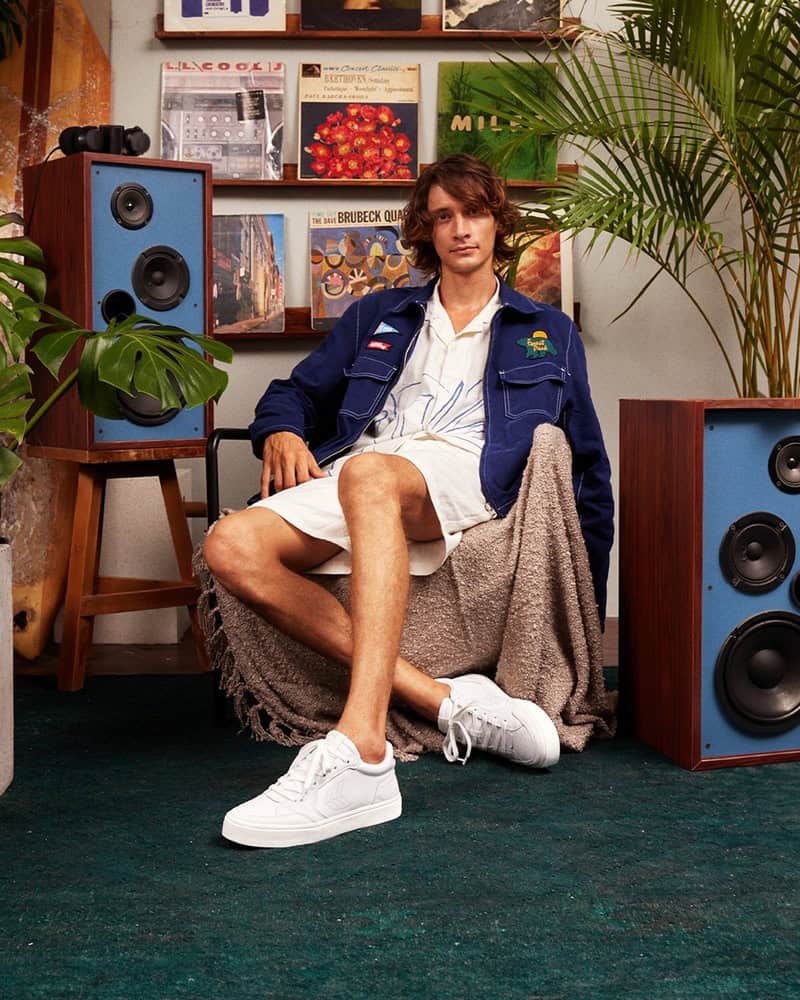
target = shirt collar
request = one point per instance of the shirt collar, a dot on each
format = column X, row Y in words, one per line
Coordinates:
column 419, row 295
column 437, row 314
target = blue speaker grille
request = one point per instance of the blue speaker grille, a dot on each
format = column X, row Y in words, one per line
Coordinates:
column 178, row 222
column 737, row 448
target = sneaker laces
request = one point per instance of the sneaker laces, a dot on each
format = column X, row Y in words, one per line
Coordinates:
column 318, row 761
column 488, row 733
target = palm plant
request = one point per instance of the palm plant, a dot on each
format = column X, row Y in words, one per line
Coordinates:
column 136, row 353
column 687, row 119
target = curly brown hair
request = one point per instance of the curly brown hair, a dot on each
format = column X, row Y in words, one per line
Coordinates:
column 475, row 185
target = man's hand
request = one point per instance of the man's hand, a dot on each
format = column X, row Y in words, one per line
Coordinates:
column 286, row 461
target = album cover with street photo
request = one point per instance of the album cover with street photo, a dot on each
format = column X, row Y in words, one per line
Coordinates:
column 247, row 274
column 544, row 271
column 501, row 15
column 466, row 123
column 358, row 121
column 224, row 15
column 227, row 114
column 353, row 252
column 360, row 15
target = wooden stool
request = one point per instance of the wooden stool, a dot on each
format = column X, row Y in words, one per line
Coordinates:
column 89, row 594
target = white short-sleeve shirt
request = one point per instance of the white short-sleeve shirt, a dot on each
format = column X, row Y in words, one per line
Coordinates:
column 434, row 416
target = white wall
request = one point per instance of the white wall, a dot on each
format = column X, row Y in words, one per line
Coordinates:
column 659, row 349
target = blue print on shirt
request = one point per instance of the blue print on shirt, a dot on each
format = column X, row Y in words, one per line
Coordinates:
column 460, row 414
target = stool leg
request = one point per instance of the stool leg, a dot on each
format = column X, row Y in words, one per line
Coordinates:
column 83, row 562
column 182, row 543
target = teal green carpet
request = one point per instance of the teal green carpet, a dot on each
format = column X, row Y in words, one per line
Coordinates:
column 617, row 874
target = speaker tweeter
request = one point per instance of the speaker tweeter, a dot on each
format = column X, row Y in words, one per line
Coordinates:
column 132, row 206
column 784, row 465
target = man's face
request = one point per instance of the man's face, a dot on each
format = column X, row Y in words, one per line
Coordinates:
column 462, row 237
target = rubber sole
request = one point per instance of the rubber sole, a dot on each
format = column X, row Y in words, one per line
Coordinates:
column 537, row 718
column 357, row 819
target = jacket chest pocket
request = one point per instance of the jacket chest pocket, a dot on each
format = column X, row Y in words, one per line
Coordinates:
column 533, row 389
column 366, row 385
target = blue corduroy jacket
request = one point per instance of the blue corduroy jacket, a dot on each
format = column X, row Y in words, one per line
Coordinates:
column 536, row 373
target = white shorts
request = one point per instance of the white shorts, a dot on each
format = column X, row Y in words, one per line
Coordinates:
column 453, row 480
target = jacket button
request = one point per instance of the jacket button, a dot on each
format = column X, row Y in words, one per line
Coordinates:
column 488, row 506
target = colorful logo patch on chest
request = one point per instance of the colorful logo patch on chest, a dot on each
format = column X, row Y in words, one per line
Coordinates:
column 379, row 345
column 537, row 345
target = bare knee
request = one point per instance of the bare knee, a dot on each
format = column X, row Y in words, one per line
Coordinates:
column 372, row 483
column 237, row 546
column 366, row 478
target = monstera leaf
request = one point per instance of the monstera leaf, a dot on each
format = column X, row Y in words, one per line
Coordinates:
column 137, row 354
column 134, row 355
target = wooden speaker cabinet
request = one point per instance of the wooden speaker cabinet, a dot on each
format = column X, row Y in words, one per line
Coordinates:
column 120, row 235
column 709, row 585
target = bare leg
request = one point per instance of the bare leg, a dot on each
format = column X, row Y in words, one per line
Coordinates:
column 260, row 558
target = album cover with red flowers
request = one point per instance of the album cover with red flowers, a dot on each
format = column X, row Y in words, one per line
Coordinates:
column 358, row 121
column 354, row 252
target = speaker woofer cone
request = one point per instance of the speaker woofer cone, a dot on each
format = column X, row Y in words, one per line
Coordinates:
column 784, row 465
column 131, row 206
column 160, row 278
column 146, row 411
column 757, row 675
column 757, row 552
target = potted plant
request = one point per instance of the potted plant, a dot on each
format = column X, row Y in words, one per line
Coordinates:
column 686, row 117
column 136, row 353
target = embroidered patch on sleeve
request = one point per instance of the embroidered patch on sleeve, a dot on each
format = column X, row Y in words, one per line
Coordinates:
column 537, row 345
column 379, row 345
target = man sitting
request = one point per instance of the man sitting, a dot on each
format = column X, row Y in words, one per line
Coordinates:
column 409, row 424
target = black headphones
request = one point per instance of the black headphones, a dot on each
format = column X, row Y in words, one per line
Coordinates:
column 104, row 139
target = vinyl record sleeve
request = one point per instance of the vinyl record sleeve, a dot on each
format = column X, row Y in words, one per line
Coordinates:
column 358, row 121
column 466, row 121
column 353, row 252
column 248, row 274
column 224, row 15
column 544, row 272
column 380, row 15
column 501, row 15
column 227, row 114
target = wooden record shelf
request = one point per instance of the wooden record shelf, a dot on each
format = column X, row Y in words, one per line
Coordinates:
column 431, row 31
column 290, row 179
column 297, row 324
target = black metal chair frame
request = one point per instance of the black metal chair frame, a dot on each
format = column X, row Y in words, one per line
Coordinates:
column 213, row 512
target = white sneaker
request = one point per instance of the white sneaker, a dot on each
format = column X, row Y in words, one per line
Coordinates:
column 328, row 790
column 478, row 713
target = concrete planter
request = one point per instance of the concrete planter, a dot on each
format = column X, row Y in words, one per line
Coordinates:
column 6, row 670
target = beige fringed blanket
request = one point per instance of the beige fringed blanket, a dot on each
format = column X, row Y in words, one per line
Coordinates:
column 514, row 600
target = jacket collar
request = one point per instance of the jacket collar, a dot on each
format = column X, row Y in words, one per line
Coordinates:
column 508, row 297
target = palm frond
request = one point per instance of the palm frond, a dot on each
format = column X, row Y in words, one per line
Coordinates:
column 686, row 121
